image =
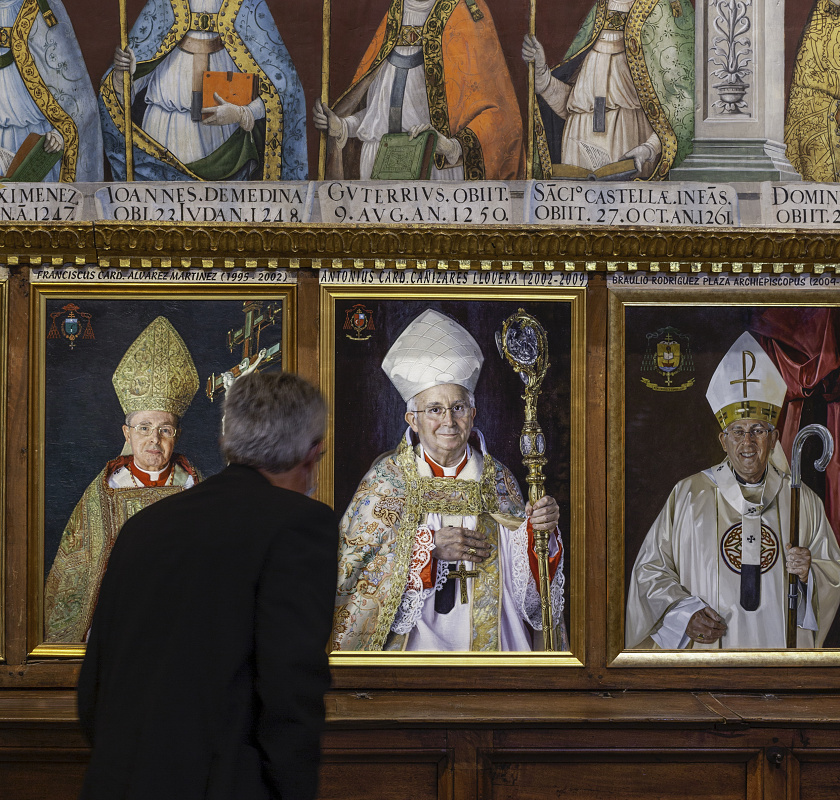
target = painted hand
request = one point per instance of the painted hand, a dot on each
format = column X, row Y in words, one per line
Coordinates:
column 125, row 60
column 705, row 626
column 223, row 114
column 325, row 119
column 460, row 544
column 448, row 148
column 53, row 142
column 545, row 513
column 640, row 155
column 798, row 561
column 532, row 51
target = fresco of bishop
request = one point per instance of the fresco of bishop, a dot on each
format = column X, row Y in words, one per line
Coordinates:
column 185, row 126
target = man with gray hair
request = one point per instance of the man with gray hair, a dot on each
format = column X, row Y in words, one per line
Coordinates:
column 206, row 665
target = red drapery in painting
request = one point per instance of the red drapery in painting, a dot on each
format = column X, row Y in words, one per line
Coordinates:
column 803, row 344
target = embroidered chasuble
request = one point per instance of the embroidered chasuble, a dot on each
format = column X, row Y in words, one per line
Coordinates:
column 615, row 90
column 437, row 62
column 174, row 42
column 73, row 582
column 696, row 552
column 387, row 535
column 44, row 86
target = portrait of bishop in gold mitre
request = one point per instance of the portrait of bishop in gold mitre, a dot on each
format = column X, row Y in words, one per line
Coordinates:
column 155, row 382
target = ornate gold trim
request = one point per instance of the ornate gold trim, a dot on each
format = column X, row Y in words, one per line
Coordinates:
column 434, row 67
column 47, row 104
column 272, row 157
column 648, row 98
column 679, row 251
column 389, row 41
column 576, row 541
column 4, row 316
column 748, row 409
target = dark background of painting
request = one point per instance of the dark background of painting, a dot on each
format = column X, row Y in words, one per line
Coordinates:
column 369, row 412
column 672, row 435
column 353, row 23
column 83, row 424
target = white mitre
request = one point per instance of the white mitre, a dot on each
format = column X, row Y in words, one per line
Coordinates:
column 746, row 385
column 431, row 351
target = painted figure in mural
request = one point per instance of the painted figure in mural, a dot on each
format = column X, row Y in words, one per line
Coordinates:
column 625, row 90
column 812, row 135
column 713, row 569
column 184, row 136
column 155, row 382
column 45, row 90
column 437, row 549
column 432, row 64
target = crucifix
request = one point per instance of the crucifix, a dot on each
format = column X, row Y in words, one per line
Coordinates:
column 461, row 574
column 257, row 317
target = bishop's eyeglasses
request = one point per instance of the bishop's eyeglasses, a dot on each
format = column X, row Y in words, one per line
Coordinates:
column 459, row 411
column 756, row 432
column 166, row 431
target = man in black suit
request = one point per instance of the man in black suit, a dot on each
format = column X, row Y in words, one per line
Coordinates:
column 206, row 666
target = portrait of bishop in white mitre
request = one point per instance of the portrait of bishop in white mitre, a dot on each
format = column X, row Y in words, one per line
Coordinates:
column 437, row 543
column 713, row 570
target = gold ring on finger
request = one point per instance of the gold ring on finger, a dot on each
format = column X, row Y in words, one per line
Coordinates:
column 701, row 636
column 472, row 551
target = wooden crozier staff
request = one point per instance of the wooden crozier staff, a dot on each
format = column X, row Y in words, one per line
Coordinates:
column 795, row 485
column 523, row 342
column 126, row 88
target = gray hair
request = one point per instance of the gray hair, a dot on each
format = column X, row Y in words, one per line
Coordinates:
column 272, row 420
column 411, row 405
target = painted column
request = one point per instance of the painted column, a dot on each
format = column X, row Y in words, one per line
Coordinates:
column 739, row 58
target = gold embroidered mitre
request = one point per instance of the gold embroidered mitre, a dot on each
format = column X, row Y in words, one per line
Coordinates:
column 157, row 372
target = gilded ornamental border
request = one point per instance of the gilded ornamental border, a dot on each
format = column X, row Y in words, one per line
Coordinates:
column 311, row 245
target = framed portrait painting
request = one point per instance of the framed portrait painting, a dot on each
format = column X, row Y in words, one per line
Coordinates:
column 375, row 349
column 716, row 556
column 126, row 386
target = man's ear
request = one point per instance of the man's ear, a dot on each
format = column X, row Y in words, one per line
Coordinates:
column 314, row 454
column 722, row 440
column 410, row 418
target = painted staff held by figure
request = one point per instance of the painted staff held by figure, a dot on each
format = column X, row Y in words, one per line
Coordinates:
column 795, row 484
column 523, row 342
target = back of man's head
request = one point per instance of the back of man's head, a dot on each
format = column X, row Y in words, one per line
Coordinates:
column 272, row 420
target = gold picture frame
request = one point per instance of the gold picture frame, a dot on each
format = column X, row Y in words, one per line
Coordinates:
column 118, row 314
column 4, row 317
column 632, row 309
column 410, row 296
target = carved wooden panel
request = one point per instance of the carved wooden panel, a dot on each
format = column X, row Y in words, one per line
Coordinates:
column 623, row 775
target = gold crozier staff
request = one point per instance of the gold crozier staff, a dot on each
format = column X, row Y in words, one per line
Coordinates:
column 126, row 88
column 525, row 345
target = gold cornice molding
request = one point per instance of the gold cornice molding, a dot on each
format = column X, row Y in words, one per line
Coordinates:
column 511, row 247
column 38, row 242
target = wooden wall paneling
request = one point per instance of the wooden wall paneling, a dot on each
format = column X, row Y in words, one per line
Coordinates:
column 308, row 325
column 387, row 764
column 42, row 774
column 667, row 774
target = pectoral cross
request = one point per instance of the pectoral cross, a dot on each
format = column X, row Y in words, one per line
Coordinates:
column 256, row 318
column 461, row 574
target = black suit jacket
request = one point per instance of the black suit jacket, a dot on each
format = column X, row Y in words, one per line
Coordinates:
column 206, row 667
